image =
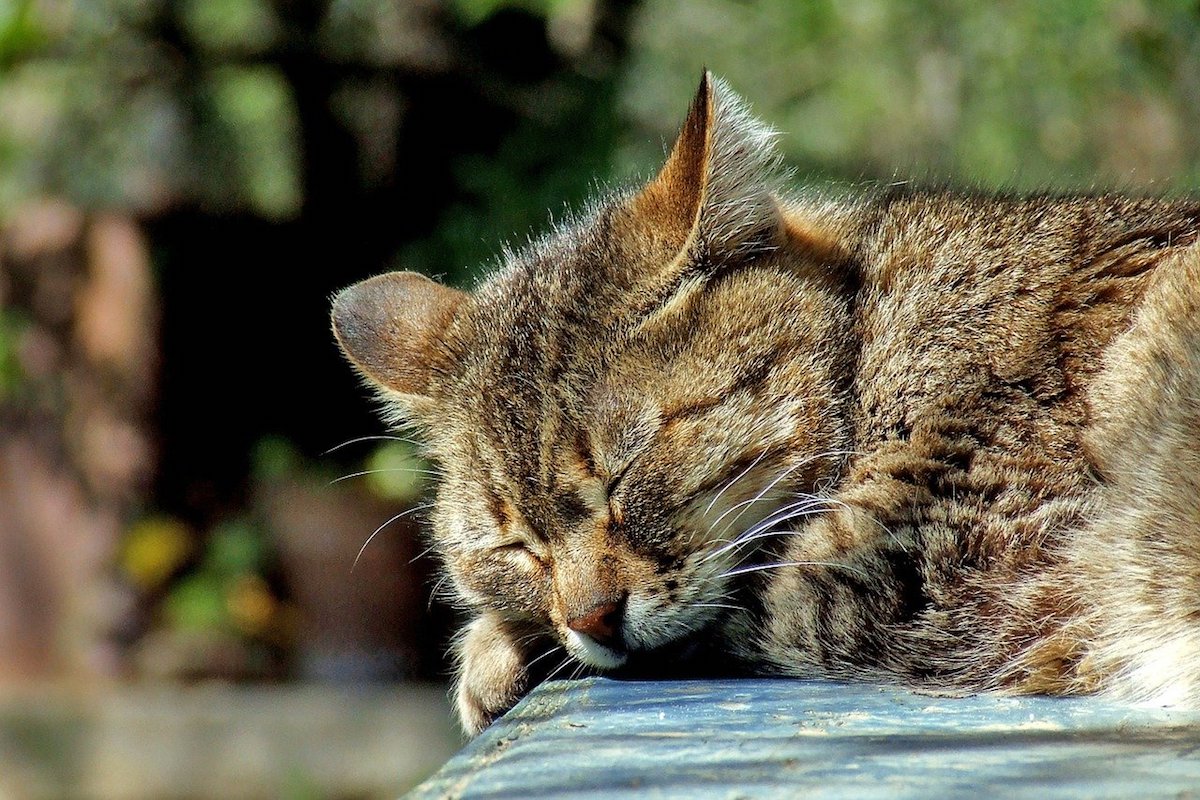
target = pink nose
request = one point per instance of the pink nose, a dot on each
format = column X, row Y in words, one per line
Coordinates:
column 602, row 623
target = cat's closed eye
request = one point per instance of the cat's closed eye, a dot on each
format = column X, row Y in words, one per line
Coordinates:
column 571, row 509
column 518, row 549
column 613, row 484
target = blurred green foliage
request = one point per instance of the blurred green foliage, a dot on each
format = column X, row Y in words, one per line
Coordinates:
column 1064, row 94
column 475, row 11
column 550, row 162
column 19, row 32
column 100, row 106
column 11, row 373
column 253, row 138
column 235, row 548
column 274, row 458
column 225, row 591
column 230, row 26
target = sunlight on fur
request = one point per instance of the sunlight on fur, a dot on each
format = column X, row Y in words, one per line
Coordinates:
column 714, row 426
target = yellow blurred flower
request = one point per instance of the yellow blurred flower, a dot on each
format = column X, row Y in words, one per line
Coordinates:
column 394, row 471
column 153, row 549
column 250, row 604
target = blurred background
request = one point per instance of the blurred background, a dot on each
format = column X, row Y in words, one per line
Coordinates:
column 188, row 469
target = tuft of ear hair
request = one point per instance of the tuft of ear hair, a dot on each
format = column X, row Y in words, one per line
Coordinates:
column 715, row 196
column 391, row 327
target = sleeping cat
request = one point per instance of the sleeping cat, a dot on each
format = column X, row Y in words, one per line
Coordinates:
column 711, row 426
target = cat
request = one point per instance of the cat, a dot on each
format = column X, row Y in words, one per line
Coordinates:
column 711, row 426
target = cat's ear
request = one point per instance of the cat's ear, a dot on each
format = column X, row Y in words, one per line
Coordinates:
column 715, row 194
column 391, row 327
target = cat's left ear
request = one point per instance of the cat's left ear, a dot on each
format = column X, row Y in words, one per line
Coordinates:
column 392, row 328
column 715, row 196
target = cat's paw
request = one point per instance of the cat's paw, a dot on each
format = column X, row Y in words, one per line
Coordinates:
column 491, row 674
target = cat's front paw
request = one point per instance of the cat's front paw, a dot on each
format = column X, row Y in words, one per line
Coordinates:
column 491, row 674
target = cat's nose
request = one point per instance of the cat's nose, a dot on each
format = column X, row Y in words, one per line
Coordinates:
column 602, row 623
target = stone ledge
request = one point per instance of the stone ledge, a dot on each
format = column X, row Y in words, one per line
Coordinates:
column 600, row 738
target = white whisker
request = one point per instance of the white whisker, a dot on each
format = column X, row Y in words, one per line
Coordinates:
column 747, row 503
column 543, row 655
column 760, row 567
column 386, row 469
column 437, row 590
column 375, row 533
column 349, row 442
column 559, row 668
column 717, row 605
column 761, row 529
column 734, row 480
column 422, row 554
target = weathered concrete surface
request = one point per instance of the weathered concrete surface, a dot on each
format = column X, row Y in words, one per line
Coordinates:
column 222, row 742
column 779, row 738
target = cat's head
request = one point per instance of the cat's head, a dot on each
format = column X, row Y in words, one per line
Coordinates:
column 625, row 407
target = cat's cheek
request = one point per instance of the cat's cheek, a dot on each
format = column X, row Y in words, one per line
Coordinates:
column 676, row 608
column 466, row 594
column 510, row 581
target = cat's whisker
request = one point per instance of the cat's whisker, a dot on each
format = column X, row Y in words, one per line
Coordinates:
column 529, row 637
column 560, row 667
column 549, row 652
column 717, row 605
column 734, row 480
column 747, row 503
column 361, row 473
column 870, row 518
column 744, row 505
column 723, row 544
column 771, row 518
column 746, row 555
column 800, row 508
column 780, row 564
column 769, row 531
column 422, row 554
column 374, row 438
column 375, row 533
column 760, row 529
column 438, row 592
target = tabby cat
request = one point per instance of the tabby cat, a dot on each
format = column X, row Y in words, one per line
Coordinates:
column 711, row 426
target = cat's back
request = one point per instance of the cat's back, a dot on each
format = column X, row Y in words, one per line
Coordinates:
column 1026, row 421
column 999, row 312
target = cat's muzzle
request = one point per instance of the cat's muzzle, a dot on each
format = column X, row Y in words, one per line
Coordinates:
column 595, row 636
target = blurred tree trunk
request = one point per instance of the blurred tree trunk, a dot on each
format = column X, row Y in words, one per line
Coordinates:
column 78, row 341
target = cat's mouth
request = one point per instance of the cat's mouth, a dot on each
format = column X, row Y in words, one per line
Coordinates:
column 594, row 654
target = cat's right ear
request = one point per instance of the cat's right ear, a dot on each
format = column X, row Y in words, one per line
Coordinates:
column 715, row 195
column 391, row 328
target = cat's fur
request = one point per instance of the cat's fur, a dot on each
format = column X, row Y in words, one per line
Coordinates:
column 924, row 437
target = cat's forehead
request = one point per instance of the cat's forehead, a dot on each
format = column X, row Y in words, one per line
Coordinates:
column 544, row 314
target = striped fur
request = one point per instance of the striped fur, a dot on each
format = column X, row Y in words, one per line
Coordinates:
column 926, row 437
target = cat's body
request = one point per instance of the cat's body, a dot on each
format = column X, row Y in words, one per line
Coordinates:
column 944, row 440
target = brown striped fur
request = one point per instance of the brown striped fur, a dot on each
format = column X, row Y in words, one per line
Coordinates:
column 927, row 437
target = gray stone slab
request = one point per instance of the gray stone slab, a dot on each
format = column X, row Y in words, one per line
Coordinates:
column 790, row 738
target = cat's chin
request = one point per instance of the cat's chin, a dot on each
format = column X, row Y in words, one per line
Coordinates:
column 594, row 654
